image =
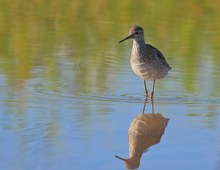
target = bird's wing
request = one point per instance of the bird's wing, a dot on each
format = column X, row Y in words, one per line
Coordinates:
column 157, row 53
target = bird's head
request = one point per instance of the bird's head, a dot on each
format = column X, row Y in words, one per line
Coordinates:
column 135, row 33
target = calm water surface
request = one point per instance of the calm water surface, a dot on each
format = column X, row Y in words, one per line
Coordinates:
column 68, row 94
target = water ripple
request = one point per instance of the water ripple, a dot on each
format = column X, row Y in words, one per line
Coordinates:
column 131, row 98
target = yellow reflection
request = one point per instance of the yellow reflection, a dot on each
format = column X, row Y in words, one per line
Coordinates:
column 145, row 130
column 35, row 33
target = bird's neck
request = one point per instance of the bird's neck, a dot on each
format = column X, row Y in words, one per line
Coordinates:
column 138, row 46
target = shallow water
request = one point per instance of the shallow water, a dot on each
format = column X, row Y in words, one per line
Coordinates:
column 68, row 94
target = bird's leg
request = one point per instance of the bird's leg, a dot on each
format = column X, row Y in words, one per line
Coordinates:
column 145, row 88
column 152, row 105
column 152, row 91
column 145, row 102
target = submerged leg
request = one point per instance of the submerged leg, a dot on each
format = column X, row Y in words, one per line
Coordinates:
column 145, row 102
column 152, row 91
column 145, row 88
column 152, row 105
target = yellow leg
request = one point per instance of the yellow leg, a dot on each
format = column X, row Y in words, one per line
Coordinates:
column 145, row 102
column 145, row 88
column 152, row 105
column 152, row 91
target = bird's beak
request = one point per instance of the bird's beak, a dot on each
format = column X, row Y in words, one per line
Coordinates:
column 128, row 37
column 123, row 159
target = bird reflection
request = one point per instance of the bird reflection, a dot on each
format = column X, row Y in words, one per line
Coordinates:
column 145, row 130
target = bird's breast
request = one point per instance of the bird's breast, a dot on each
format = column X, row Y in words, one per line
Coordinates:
column 147, row 70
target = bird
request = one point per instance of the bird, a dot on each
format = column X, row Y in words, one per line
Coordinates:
column 146, row 60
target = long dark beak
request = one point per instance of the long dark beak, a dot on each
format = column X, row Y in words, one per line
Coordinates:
column 128, row 37
column 123, row 159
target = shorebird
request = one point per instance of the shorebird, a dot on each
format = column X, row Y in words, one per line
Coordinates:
column 146, row 60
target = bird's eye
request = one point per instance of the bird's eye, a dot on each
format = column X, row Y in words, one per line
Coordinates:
column 136, row 32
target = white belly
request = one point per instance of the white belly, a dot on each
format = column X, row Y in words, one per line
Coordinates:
column 148, row 71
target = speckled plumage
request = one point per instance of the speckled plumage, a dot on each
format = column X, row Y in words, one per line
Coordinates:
column 146, row 60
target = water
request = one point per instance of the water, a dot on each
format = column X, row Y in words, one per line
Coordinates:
column 68, row 94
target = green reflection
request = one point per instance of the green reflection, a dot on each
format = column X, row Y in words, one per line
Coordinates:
column 37, row 32
column 69, row 47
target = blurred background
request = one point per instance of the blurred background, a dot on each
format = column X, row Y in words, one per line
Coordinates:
column 68, row 94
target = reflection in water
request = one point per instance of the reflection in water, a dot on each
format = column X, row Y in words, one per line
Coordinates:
column 145, row 130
